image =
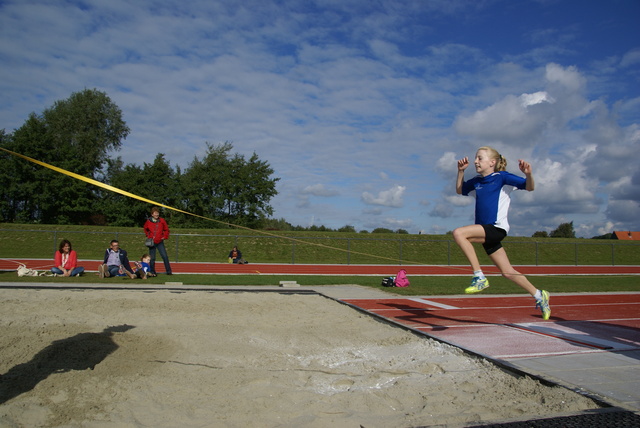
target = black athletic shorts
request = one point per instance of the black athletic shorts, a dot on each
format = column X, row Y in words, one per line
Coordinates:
column 493, row 237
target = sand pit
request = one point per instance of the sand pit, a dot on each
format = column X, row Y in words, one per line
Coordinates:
column 97, row 358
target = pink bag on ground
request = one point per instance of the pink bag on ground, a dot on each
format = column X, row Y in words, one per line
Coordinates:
column 401, row 279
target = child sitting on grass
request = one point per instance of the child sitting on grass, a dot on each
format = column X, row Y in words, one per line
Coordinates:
column 143, row 267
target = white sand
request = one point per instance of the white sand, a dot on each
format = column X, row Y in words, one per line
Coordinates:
column 239, row 359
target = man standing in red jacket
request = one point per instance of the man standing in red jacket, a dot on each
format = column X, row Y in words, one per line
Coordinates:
column 157, row 229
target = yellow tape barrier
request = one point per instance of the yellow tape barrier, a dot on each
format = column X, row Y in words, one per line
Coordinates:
column 149, row 201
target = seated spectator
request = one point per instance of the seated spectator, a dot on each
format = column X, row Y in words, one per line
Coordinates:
column 235, row 256
column 66, row 261
column 116, row 262
column 143, row 267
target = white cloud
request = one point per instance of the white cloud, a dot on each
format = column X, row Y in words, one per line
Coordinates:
column 391, row 223
column 388, row 198
column 459, row 200
column 624, row 212
column 441, row 211
column 536, row 98
column 615, row 147
column 630, row 58
column 319, row 190
column 394, row 223
column 447, row 164
column 603, row 229
column 523, row 120
column 560, row 188
column 508, row 120
column 567, row 77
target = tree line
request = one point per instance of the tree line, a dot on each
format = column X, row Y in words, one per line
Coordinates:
column 282, row 225
column 564, row 230
column 81, row 133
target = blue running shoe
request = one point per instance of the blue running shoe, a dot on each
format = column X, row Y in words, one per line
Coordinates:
column 543, row 304
column 477, row 285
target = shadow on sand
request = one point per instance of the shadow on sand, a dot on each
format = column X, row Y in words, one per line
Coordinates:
column 80, row 352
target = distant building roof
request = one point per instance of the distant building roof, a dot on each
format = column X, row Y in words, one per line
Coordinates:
column 626, row 236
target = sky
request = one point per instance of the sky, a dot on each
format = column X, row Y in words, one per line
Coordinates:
column 361, row 107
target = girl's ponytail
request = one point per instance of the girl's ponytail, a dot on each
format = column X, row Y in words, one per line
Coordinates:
column 501, row 162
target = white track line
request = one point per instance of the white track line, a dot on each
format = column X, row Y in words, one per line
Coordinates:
column 432, row 303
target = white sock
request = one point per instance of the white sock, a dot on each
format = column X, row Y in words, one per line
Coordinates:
column 479, row 274
column 538, row 295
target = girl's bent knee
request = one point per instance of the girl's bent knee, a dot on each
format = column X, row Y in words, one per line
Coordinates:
column 458, row 234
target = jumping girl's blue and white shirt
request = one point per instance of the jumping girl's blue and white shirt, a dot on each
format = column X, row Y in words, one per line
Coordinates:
column 492, row 195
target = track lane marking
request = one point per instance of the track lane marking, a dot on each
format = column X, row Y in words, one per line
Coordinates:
column 432, row 303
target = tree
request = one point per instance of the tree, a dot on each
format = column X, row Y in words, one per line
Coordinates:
column 23, row 182
column 247, row 197
column 277, row 224
column 381, row 230
column 540, row 234
column 156, row 181
column 86, row 126
column 75, row 134
column 120, row 210
column 565, row 230
column 79, row 133
column 6, row 204
column 228, row 188
column 321, row 228
column 605, row 236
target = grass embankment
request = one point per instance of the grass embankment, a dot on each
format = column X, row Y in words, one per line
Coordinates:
column 212, row 245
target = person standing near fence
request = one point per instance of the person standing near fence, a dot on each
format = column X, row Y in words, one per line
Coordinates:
column 66, row 260
column 156, row 228
column 491, row 188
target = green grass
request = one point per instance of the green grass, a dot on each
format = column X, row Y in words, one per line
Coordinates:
column 420, row 285
column 213, row 245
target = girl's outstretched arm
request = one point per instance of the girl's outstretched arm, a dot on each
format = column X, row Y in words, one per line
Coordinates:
column 525, row 167
column 462, row 165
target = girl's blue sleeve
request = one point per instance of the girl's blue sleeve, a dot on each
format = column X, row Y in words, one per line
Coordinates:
column 514, row 180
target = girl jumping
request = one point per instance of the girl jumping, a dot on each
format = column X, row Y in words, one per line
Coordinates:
column 491, row 188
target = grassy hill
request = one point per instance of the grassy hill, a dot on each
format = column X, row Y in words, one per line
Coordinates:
column 213, row 245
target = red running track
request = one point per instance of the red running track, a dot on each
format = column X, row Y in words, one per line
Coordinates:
column 303, row 269
column 507, row 327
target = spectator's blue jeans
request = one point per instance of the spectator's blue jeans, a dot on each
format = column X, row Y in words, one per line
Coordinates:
column 163, row 253
column 77, row 270
column 113, row 270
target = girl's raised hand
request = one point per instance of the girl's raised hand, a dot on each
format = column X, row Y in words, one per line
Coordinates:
column 463, row 164
column 525, row 167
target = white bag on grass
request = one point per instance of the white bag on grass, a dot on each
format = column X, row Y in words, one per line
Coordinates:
column 23, row 270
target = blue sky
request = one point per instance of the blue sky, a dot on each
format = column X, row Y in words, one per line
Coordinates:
column 361, row 107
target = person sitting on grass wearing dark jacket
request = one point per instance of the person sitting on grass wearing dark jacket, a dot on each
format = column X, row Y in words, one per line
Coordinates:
column 116, row 262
